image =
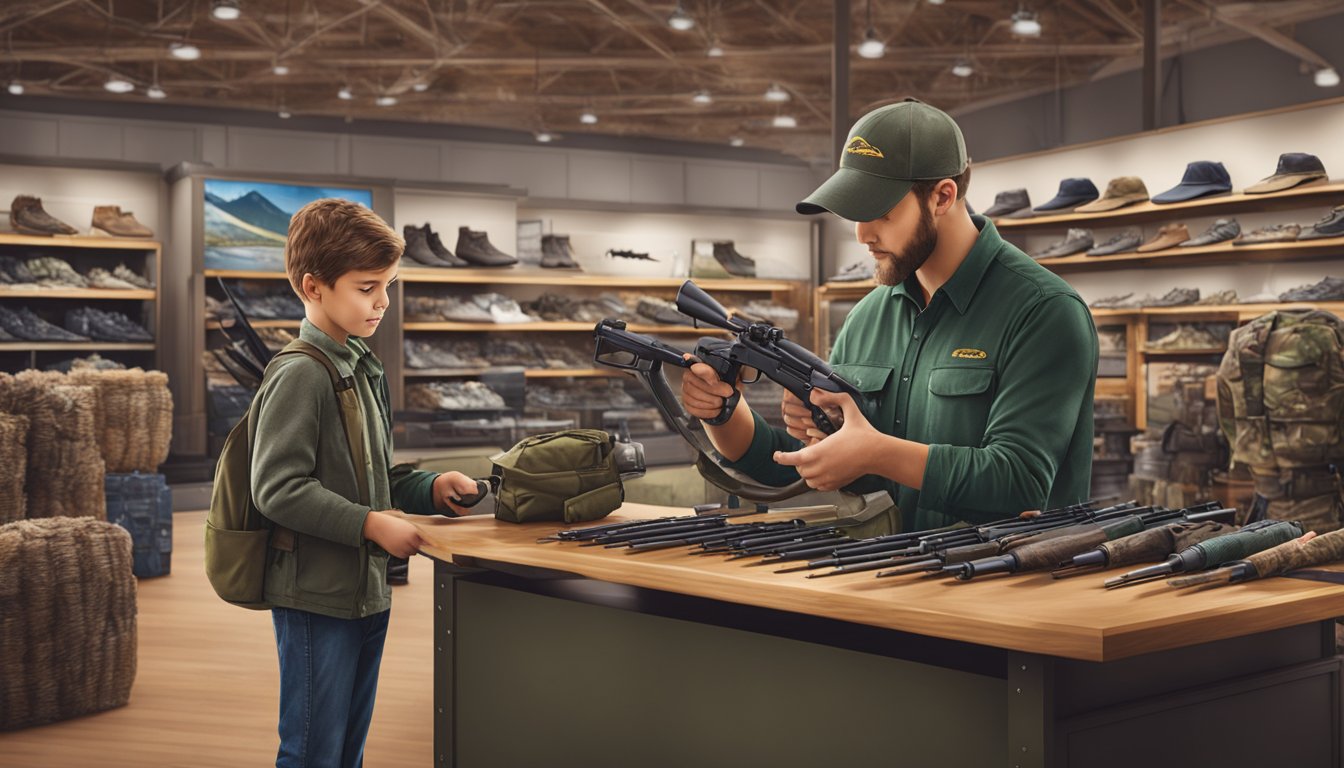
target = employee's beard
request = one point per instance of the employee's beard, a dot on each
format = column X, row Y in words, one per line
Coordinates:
column 897, row 267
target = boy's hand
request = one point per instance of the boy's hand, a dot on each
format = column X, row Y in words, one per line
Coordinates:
column 395, row 535
column 453, row 485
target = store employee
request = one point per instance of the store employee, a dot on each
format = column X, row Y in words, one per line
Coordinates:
column 979, row 364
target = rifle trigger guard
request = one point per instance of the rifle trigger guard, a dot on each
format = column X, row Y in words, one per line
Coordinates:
column 729, row 405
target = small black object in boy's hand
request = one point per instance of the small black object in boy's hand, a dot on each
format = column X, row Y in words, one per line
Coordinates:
column 471, row 500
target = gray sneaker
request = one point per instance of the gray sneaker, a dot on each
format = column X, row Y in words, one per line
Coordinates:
column 1218, row 231
column 1329, row 289
column 55, row 273
column 464, row 310
column 859, row 270
column 1121, row 243
column 101, row 278
column 1122, row 301
column 1076, row 241
column 122, row 272
column 24, row 324
column 1330, row 225
column 105, row 326
column 661, row 311
column 1176, row 297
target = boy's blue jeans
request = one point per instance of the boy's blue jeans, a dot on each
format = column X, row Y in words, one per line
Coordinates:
column 328, row 677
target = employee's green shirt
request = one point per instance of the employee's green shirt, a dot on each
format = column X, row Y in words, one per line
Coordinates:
column 303, row 479
column 996, row 375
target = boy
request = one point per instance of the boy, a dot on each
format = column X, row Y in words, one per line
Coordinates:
column 326, row 571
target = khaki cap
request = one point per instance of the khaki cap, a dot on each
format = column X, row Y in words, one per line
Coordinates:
column 1121, row 191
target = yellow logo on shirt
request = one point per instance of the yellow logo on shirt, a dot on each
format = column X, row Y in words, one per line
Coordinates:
column 970, row 354
column 858, row 146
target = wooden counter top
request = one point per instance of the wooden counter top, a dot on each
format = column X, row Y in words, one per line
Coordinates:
column 1073, row 618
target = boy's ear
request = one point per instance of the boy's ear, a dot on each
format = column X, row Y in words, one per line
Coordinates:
column 312, row 287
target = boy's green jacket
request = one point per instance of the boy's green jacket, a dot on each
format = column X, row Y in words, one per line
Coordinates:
column 303, row 481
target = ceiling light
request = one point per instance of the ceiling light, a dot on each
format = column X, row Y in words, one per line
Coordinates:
column 935, row 2
column 962, row 68
column 702, row 98
column 680, row 20
column 280, row 69
column 588, row 117
column 184, row 51
column 118, row 84
column 736, row 141
column 225, row 10
column 871, row 47
column 545, row 137
column 775, row 93
column 15, row 88
column 784, row 121
column 420, row 87
column 155, row 92
column 283, row 114
column 1025, row 24
column 715, row 51
column 386, row 101
column 1327, row 77
column 345, row 94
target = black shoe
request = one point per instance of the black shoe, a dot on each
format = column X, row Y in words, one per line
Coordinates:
column 398, row 571
column 475, row 249
column 441, row 251
column 556, row 252
column 418, row 248
column 733, row 262
column 1122, row 243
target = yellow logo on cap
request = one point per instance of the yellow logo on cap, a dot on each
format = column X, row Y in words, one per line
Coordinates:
column 857, row 146
column 970, row 354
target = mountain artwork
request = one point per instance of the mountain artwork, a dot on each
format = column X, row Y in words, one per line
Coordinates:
column 246, row 221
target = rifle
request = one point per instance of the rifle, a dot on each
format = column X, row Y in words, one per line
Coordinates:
column 1212, row 553
column 1276, row 561
column 763, row 348
column 1152, row 545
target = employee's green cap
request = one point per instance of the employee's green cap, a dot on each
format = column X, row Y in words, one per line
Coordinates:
column 888, row 150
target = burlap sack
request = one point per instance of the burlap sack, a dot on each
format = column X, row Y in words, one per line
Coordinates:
column 67, row 620
column 65, row 468
column 133, row 417
column 13, row 466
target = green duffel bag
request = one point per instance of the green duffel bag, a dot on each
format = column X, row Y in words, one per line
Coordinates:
column 572, row 476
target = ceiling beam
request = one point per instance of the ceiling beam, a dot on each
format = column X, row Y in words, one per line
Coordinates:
column 1268, row 34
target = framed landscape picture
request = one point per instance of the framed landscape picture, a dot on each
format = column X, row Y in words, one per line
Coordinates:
column 246, row 221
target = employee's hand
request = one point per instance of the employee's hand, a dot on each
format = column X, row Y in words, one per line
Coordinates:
column 398, row 537
column 798, row 419
column 450, row 485
column 702, row 391
column 844, row 456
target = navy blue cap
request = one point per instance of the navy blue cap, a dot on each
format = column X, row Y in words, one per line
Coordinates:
column 1202, row 177
column 1072, row 192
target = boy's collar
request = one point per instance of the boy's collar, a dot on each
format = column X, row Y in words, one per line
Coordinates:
column 354, row 353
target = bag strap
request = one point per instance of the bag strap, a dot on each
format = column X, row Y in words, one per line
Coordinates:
column 352, row 415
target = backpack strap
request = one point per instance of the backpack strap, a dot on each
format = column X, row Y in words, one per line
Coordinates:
column 352, row 415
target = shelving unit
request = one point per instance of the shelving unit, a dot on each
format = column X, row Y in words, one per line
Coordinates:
column 551, row 326
column 531, row 373
column 1203, row 255
column 83, row 254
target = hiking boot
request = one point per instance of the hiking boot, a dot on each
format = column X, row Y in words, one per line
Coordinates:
column 475, row 249
column 1330, row 225
column 418, row 249
column 110, row 220
column 733, row 262
column 661, row 311
column 556, row 252
column 463, row 310
column 1122, row 301
column 1220, row 298
column 1187, row 337
column 859, row 270
column 101, row 278
column 1275, row 233
column 1176, row 297
column 27, row 217
column 440, row 250
column 1218, row 231
column 1075, row 241
column 122, row 272
column 1329, row 289
column 1122, row 243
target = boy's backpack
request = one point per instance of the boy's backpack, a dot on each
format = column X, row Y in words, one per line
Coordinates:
column 236, row 533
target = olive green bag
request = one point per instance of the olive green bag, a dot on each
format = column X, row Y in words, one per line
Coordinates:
column 572, row 476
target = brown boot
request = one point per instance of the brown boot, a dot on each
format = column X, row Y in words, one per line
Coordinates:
column 27, row 218
column 111, row 221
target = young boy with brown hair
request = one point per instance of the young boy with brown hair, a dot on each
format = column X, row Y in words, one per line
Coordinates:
column 326, row 572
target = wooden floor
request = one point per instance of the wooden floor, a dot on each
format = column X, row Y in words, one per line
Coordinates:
column 207, row 684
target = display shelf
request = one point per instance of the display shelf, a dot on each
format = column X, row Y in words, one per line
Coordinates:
column 856, row 289
column 214, row 325
column 1184, row 352
column 1298, row 197
column 555, row 278
column 1218, row 253
column 246, row 274
column 1241, row 311
column 79, row 293
column 72, row 346
column 551, row 326
column 79, row 241
column 531, row 373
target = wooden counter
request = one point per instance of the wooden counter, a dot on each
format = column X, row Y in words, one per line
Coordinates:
column 1072, row 618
